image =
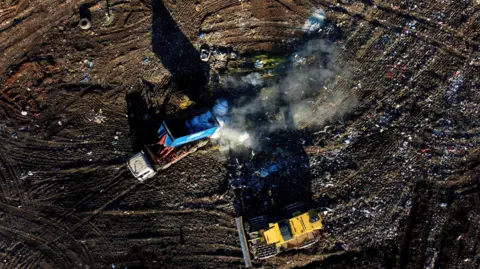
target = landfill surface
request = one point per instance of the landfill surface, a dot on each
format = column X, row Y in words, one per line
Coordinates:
column 384, row 141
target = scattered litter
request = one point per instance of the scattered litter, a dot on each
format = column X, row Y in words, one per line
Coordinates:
column 89, row 153
column 273, row 168
column 30, row 173
column 114, row 142
column 205, row 55
column 202, row 35
column 409, row 27
column 85, row 24
column 85, row 79
column 268, row 72
column 60, row 123
column 24, row 113
column 456, row 83
column 97, row 117
column 264, row 173
column 259, row 64
column 145, row 60
column 299, row 60
column 315, row 22
column 88, row 63
column 443, row 205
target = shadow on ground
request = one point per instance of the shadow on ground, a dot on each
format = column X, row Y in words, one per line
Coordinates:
column 279, row 173
column 178, row 54
column 144, row 119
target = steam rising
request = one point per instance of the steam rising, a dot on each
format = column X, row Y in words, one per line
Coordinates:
column 303, row 97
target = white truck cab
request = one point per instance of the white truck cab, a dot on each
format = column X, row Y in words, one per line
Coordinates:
column 140, row 167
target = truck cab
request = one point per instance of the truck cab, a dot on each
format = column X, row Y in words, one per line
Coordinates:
column 140, row 166
column 178, row 136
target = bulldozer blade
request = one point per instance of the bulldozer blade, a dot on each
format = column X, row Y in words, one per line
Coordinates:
column 243, row 241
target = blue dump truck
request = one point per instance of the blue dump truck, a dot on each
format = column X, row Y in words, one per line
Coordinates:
column 178, row 136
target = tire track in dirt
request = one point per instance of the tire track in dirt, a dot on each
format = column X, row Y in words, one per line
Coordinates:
column 451, row 49
column 37, row 222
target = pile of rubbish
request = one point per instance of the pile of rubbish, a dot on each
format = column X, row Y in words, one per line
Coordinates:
column 315, row 22
column 207, row 120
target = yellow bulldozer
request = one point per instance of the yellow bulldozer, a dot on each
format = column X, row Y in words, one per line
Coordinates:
column 299, row 227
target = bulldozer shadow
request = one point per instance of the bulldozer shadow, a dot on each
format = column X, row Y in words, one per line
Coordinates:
column 274, row 178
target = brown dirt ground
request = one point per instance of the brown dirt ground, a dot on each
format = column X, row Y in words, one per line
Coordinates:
column 403, row 194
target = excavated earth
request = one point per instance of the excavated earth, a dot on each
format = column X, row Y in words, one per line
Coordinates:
column 396, row 173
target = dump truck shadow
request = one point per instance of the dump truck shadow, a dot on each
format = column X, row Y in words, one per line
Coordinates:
column 177, row 54
column 143, row 119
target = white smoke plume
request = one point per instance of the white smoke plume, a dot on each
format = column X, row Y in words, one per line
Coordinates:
column 303, row 97
column 252, row 79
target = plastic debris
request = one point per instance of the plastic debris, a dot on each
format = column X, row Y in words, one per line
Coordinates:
column 443, row 205
column 273, row 168
column 85, row 24
column 15, row 135
column 264, row 173
column 30, row 173
column 221, row 107
column 259, row 64
column 315, row 22
column 299, row 60
column 60, row 123
column 205, row 55
column 88, row 63
column 24, row 113
column 85, row 79
column 145, row 60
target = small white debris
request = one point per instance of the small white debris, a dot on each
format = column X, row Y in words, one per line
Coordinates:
column 24, row 113
column 30, row 173
column 443, row 205
column 60, row 123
